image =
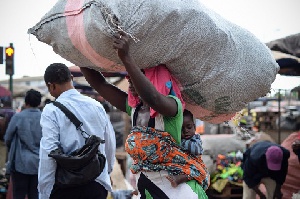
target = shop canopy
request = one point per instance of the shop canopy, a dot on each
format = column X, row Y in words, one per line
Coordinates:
column 20, row 90
column 289, row 45
column 75, row 70
column 287, row 54
column 4, row 92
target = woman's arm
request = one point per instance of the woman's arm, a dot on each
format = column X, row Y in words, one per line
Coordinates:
column 108, row 91
column 145, row 89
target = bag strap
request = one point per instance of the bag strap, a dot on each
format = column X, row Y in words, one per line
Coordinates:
column 72, row 118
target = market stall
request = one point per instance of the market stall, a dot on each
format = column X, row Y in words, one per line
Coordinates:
column 223, row 154
column 223, row 164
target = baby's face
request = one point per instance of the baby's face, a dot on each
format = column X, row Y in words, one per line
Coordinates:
column 188, row 128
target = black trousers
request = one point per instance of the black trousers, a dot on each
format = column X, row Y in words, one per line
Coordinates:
column 24, row 184
column 93, row 190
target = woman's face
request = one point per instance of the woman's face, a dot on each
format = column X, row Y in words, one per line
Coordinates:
column 188, row 128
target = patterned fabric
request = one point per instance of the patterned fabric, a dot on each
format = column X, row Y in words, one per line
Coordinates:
column 154, row 150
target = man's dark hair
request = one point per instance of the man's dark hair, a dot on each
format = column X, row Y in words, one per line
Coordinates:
column 33, row 98
column 57, row 73
column 188, row 114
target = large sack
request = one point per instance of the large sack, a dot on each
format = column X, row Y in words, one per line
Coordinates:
column 220, row 65
column 209, row 163
column 221, row 144
column 259, row 136
column 292, row 181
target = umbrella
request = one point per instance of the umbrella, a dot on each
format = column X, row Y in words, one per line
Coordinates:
column 82, row 86
column 296, row 89
column 289, row 64
column 4, row 92
column 123, row 85
column 5, row 96
column 75, row 71
column 20, row 90
column 289, row 45
column 286, row 51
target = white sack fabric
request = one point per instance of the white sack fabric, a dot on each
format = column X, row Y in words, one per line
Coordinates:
column 221, row 66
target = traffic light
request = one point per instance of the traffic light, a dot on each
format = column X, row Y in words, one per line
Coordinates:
column 1, row 55
column 9, row 59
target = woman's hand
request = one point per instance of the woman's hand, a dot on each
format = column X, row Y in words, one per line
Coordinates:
column 121, row 44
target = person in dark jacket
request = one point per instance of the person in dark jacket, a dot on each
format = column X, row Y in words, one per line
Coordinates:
column 296, row 147
column 267, row 163
column 22, row 137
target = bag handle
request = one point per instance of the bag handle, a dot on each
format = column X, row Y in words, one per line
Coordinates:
column 72, row 118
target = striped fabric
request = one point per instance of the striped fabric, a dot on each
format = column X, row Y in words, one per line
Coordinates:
column 193, row 145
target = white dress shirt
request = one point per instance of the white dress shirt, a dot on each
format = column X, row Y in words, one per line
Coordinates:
column 58, row 130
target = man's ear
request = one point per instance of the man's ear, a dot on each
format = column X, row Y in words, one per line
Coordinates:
column 72, row 77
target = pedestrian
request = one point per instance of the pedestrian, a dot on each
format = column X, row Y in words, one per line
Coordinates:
column 23, row 137
column 155, row 105
column 264, row 163
column 59, row 131
column 6, row 113
column 191, row 142
column 296, row 147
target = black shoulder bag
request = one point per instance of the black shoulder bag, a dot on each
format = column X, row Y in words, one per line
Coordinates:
column 82, row 165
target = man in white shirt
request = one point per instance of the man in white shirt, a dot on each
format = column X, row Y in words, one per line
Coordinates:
column 58, row 130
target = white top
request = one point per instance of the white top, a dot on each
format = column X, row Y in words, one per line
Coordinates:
column 59, row 130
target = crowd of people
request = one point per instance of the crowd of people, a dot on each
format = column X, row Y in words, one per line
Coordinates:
column 166, row 152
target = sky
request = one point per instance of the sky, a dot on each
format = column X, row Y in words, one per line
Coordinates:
column 267, row 19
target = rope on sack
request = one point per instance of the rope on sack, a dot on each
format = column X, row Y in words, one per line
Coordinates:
column 113, row 22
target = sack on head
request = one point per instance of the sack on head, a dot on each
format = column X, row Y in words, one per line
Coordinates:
column 220, row 65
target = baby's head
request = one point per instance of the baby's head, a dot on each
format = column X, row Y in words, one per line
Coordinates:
column 188, row 127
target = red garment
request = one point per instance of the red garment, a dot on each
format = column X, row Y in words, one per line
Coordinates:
column 159, row 76
column 291, row 184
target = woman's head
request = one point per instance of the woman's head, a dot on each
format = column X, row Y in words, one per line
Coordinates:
column 188, row 127
column 33, row 98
